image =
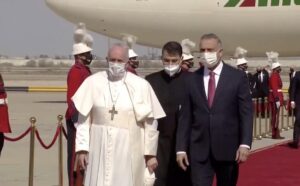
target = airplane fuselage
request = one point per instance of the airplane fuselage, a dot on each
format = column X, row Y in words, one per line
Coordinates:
column 258, row 28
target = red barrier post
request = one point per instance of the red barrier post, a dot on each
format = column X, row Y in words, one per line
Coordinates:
column 31, row 153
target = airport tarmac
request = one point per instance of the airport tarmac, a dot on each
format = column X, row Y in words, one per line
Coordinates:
column 14, row 161
column 46, row 106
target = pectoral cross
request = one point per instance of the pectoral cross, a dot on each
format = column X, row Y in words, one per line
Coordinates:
column 113, row 111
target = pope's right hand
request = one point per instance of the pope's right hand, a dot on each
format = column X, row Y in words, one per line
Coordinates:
column 82, row 159
column 293, row 105
column 182, row 161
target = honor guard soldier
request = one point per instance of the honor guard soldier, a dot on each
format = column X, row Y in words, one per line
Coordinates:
column 77, row 74
column 4, row 119
column 133, row 62
column 275, row 94
column 242, row 64
column 187, row 57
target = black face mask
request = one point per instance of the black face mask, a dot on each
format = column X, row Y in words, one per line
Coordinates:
column 134, row 63
column 243, row 67
column 87, row 59
column 279, row 70
column 189, row 64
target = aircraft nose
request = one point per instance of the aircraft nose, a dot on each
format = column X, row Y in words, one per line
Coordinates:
column 56, row 5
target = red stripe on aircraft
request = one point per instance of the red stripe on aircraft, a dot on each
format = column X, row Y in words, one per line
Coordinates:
column 248, row 3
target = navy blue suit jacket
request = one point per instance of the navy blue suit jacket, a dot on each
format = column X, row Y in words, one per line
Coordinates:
column 295, row 89
column 221, row 129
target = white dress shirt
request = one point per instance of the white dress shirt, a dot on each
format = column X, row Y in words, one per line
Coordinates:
column 217, row 72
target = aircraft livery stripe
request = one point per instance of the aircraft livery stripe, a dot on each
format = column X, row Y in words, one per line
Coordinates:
column 286, row 2
column 248, row 3
column 262, row 2
column 275, row 3
column 232, row 3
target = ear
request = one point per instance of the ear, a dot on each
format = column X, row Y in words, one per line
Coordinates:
column 221, row 53
column 181, row 59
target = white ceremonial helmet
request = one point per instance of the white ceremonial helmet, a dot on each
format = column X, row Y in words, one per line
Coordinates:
column 131, row 53
column 187, row 57
column 241, row 61
column 80, row 48
column 275, row 65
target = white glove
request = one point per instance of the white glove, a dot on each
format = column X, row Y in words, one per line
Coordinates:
column 277, row 104
column 293, row 105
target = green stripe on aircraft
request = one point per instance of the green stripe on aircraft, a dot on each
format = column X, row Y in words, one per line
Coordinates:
column 261, row 3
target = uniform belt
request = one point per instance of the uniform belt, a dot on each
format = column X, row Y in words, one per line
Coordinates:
column 279, row 90
column 3, row 101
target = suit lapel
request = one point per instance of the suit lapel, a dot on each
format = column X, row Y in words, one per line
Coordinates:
column 221, row 84
column 200, row 85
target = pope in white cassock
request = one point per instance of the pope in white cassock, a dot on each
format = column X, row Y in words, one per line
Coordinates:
column 116, row 139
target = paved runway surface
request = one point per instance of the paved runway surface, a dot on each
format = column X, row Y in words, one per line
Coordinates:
column 14, row 162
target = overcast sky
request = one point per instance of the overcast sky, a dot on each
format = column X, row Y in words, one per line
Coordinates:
column 29, row 27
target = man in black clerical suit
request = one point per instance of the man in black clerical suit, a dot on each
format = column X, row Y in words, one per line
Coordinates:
column 261, row 78
column 168, row 86
column 295, row 104
column 215, row 122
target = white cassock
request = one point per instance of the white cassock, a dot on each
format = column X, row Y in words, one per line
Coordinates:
column 117, row 143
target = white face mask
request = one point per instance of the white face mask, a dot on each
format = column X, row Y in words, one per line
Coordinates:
column 171, row 69
column 209, row 59
column 116, row 69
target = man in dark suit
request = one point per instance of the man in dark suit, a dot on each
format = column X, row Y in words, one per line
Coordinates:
column 295, row 104
column 291, row 75
column 261, row 78
column 215, row 123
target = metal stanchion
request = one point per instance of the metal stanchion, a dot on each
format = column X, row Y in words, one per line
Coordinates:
column 259, row 137
column 266, row 113
column 60, row 150
column 289, row 106
column 288, row 120
column 293, row 119
column 282, row 119
column 285, row 126
column 31, row 153
column 270, row 120
column 254, row 120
